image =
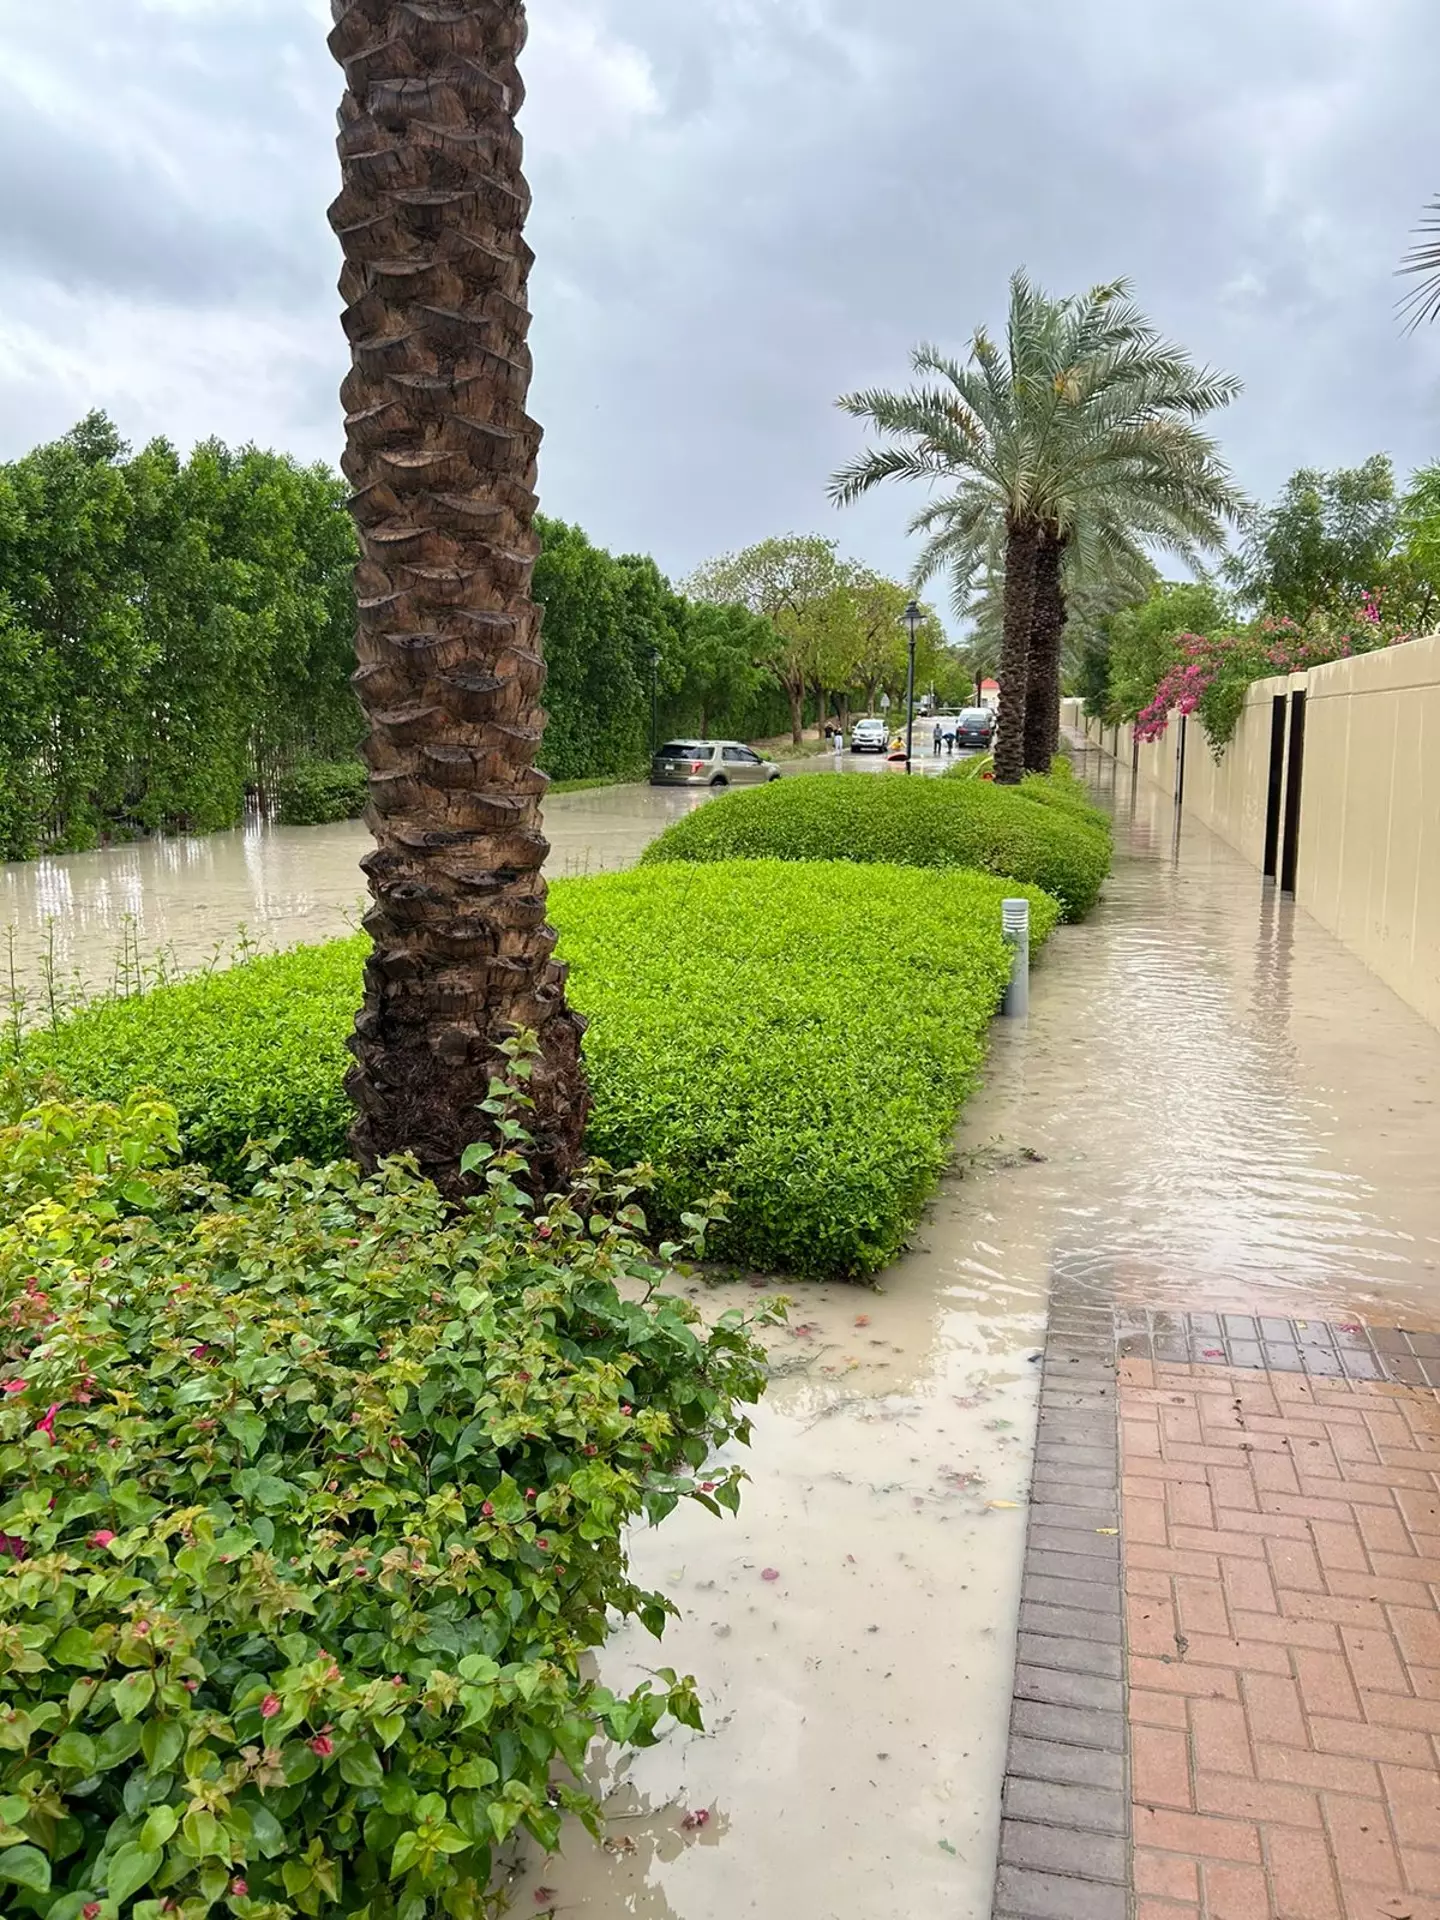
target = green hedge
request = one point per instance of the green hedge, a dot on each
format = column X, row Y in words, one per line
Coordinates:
column 319, row 791
column 799, row 1036
column 922, row 823
column 313, row 1508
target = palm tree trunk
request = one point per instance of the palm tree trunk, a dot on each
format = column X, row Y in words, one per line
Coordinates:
column 1022, row 542
column 441, row 455
column 1042, row 680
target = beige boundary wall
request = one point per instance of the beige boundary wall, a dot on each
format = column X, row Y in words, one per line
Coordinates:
column 1368, row 863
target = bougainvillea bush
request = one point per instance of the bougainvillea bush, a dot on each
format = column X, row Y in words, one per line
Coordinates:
column 312, row 1506
column 1213, row 672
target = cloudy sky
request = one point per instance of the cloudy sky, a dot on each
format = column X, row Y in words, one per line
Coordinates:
column 742, row 207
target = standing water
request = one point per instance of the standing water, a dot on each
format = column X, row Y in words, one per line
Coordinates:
column 1211, row 1104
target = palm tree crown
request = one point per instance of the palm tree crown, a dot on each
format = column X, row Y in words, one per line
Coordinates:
column 1084, row 423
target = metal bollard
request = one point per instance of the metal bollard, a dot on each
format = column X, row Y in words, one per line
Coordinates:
column 1015, row 925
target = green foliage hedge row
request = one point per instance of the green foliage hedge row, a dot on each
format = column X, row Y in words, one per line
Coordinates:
column 313, row 1506
column 922, row 823
column 318, row 791
column 1058, row 788
column 798, row 1036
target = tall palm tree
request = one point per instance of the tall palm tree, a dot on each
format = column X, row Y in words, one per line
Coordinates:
column 441, row 455
column 1086, row 412
column 1101, row 563
column 1091, row 573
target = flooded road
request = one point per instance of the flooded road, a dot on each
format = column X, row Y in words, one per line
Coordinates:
column 1211, row 1104
column 190, row 897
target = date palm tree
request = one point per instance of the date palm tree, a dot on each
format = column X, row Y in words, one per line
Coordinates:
column 441, row 455
column 1099, row 566
column 1086, row 412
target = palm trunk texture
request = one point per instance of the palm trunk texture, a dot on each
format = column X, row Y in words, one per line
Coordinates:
column 441, row 455
column 1022, row 543
column 1042, row 681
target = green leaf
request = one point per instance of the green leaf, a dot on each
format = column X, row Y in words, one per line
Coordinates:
column 76, row 1648
column 134, row 1693
column 203, row 1833
column 162, row 1743
column 26, row 1867
column 116, row 1743
column 74, row 1749
column 160, row 1823
column 266, row 1832
column 248, row 1428
column 407, row 1850
column 130, row 1868
column 360, row 1767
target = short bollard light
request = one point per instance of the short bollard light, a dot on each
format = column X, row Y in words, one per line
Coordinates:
column 1015, row 925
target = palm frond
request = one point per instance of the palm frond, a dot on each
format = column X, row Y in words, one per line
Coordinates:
column 1422, row 303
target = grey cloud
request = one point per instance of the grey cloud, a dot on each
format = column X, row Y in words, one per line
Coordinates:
column 816, row 185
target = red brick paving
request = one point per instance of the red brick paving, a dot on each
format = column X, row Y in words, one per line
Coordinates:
column 1282, row 1564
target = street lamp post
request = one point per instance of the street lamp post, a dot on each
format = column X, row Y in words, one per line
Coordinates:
column 654, row 701
column 913, row 618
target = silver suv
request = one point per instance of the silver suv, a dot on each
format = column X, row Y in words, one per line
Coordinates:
column 710, row 763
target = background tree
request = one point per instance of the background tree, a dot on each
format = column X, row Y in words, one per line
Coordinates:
column 1324, row 544
column 878, row 662
column 789, row 583
column 1087, row 414
column 714, row 673
column 441, row 455
column 1140, row 641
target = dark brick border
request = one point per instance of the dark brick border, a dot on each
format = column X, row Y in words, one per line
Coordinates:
column 1065, row 1825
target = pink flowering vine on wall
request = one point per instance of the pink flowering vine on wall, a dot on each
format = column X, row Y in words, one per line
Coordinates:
column 1212, row 672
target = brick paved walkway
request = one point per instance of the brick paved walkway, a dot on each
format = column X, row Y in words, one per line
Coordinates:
column 1282, row 1568
column 1272, row 1692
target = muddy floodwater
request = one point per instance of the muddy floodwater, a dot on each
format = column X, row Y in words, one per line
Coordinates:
column 1211, row 1104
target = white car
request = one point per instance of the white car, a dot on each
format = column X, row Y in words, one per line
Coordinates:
column 870, row 736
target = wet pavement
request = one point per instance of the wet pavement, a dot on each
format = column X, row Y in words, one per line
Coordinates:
column 1211, row 1105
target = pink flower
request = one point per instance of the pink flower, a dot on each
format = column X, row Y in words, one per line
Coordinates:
column 269, row 1707
column 544, row 1545
column 239, row 1888
column 487, row 1507
column 199, row 1353
column 89, row 1912
column 47, row 1425
column 322, row 1744
column 101, row 1537
column 13, row 1386
column 12, row 1546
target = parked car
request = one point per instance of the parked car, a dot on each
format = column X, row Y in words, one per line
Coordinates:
column 975, row 728
column 870, row 736
column 710, row 763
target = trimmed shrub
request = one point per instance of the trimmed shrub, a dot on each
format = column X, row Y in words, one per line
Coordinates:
column 921, row 823
column 313, row 1506
column 799, row 1037
column 318, row 791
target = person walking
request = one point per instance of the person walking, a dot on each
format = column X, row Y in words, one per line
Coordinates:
column 939, row 737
